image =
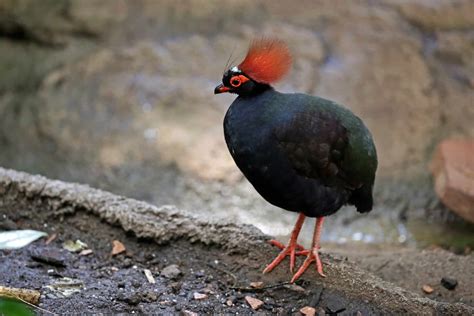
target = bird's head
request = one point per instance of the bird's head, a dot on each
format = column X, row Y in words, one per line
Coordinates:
column 267, row 61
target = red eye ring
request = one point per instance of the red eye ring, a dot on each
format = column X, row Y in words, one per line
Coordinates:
column 237, row 81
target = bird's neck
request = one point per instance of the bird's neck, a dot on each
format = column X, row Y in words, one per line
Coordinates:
column 256, row 91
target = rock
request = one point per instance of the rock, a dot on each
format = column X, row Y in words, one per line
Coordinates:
column 131, row 298
column 171, row 272
column 427, row 289
column 52, row 257
column 295, row 288
column 308, row 311
column 7, row 224
column 453, row 171
column 151, row 296
column 86, row 252
column 255, row 303
column 449, row 283
column 439, row 15
column 199, row 296
column 256, row 285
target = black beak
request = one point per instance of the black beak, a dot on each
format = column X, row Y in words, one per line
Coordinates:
column 221, row 89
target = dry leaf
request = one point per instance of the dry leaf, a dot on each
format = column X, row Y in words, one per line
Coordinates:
column 255, row 303
column 66, row 287
column 15, row 239
column 308, row 311
column 256, row 285
column 427, row 289
column 74, row 246
column 149, row 276
column 117, row 248
column 30, row 296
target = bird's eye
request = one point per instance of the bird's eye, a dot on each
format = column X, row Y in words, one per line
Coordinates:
column 235, row 81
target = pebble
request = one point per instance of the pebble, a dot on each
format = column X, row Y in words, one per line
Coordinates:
column 449, row 283
column 308, row 311
column 427, row 289
column 295, row 288
column 255, row 303
column 175, row 287
column 199, row 296
column 199, row 274
column 151, row 296
column 126, row 263
column 130, row 298
column 171, row 272
column 256, row 285
column 86, row 252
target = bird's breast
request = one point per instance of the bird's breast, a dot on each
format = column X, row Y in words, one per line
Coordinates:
column 249, row 138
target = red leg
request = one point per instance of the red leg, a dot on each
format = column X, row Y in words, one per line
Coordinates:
column 313, row 255
column 290, row 249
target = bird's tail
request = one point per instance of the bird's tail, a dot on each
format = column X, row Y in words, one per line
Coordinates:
column 362, row 199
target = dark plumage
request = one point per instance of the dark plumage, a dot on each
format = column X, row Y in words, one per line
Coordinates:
column 302, row 153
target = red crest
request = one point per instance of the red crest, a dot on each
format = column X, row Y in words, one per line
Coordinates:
column 267, row 60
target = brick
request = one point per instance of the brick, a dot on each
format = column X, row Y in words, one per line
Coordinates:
column 453, row 171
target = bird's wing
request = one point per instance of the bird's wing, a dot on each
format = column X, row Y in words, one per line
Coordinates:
column 315, row 144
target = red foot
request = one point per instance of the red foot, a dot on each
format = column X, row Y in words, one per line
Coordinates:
column 313, row 256
column 301, row 252
column 289, row 250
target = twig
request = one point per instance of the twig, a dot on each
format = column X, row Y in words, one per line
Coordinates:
column 251, row 289
column 383, row 265
column 51, row 238
column 36, row 307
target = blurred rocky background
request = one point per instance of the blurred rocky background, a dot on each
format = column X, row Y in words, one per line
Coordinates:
column 119, row 95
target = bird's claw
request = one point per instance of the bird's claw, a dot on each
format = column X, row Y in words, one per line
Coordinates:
column 278, row 244
column 289, row 250
column 312, row 256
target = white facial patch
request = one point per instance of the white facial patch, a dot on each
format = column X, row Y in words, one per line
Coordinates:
column 235, row 69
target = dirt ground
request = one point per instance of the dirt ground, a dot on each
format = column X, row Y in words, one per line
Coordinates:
column 214, row 262
column 118, row 284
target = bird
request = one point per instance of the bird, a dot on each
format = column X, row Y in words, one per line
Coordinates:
column 301, row 153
